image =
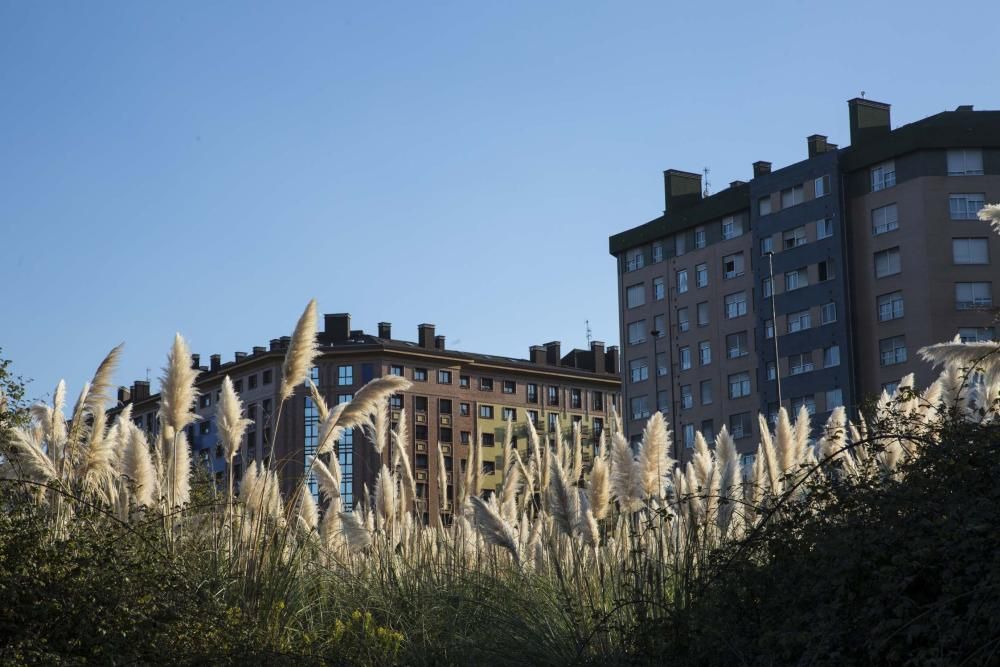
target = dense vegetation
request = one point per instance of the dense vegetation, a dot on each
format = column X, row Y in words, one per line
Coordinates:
column 873, row 543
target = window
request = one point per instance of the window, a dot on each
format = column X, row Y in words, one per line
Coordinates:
column 444, row 406
column 486, row 411
column 704, row 353
column 890, row 306
column 732, row 266
column 708, row 429
column 972, row 295
column 767, row 287
column 702, row 314
column 966, row 206
column 533, row 416
column 509, row 414
column 977, row 334
column 532, row 392
column 637, row 332
column 575, row 399
column 463, row 381
column 661, row 363
column 740, row 425
column 828, row 313
column 772, row 370
column 488, row 439
column 509, row 386
column 824, row 229
column 420, row 375
column 970, row 251
column 768, row 328
column 485, row 384
column 598, row 426
column 799, row 321
column 205, row 427
column 701, row 275
column 266, row 377
column 684, row 356
column 396, row 401
column 635, row 295
column 739, row 385
column 396, row 370
column 736, row 305
column 831, row 356
column 640, row 407
column 965, row 162
column 634, row 259
column 419, row 403
column 657, row 252
column 662, row 401
column 252, row 382
column 766, row 245
column 792, row 196
column 887, row 263
column 890, row 387
column 807, row 402
column 834, row 399
column 638, row 370
column 658, row 289
column 679, row 246
column 444, row 377
column 699, row 237
column 660, row 325
column 687, row 399
column 822, row 185
column 731, row 227
column 205, row 400
column 764, row 205
column 883, row 176
column 793, row 238
column 736, row 345
column 800, row 363
column 796, row 279
column 683, row 323
column 238, row 386
column 345, row 375
column 892, row 351
column 552, row 395
column 706, row 392
column 885, row 219
column 682, row 281
column 445, row 434
column 825, row 270
column 688, row 436
column 597, row 398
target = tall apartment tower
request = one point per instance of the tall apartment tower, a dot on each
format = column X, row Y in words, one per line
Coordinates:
column 812, row 285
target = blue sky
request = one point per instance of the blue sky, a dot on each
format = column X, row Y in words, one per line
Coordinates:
column 208, row 167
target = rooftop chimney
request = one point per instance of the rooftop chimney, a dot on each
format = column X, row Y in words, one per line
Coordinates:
column 140, row 390
column 215, row 361
column 736, row 184
column 257, row 349
column 597, row 351
column 761, row 168
column 816, row 144
column 869, row 120
column 240, row 356
column 195, row 361
column 337, row 326
column 425, row 335
column 681, row 189
column 611, row 360
column 123, row 395
column 537, row 354
column 964, row 107
column 552, row 353
column 439, row 342
column 385, row 330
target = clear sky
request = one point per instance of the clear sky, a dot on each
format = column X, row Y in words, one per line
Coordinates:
column 207, row 167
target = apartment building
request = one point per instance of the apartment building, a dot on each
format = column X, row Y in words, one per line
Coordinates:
column 459, row 400
column 812, row 285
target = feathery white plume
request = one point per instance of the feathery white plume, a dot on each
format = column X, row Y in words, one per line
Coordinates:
column 230, row 420
column 177, row 391
column 299, row 359
column 494, row 529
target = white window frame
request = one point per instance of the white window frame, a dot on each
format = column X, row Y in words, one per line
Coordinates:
column 885, row 219
column 962, row 250
column 965, row 162
column 890, row 306
column 883, row 176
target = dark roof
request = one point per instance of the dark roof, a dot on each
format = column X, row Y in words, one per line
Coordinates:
column 963, row 128
column 722, row 203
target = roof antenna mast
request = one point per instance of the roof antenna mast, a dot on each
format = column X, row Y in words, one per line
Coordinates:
column 708, row 185
column 589, row 336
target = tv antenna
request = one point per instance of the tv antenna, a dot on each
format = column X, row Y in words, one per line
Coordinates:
column 706, row 171
column 589, row 336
